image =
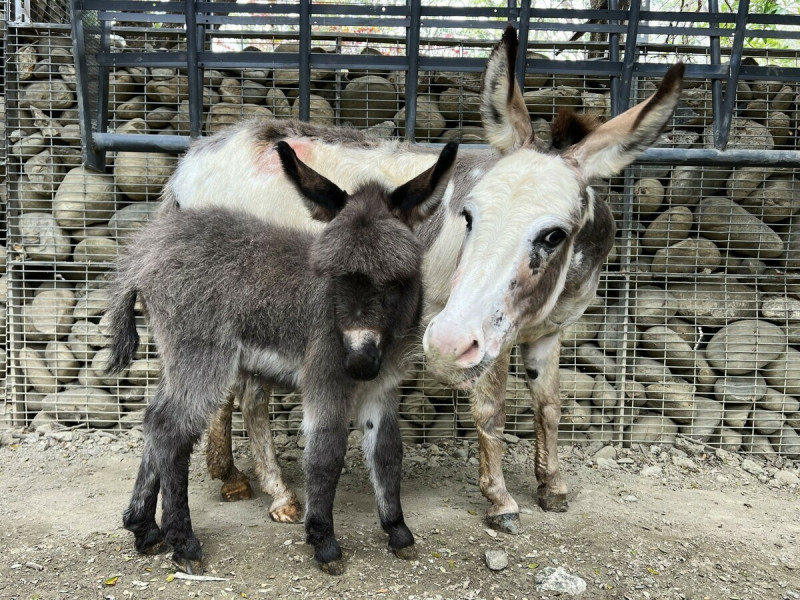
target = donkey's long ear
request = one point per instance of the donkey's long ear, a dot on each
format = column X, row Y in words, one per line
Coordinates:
column 416, row 200
column 616, row 144
column 503, row 112
column 322, row 197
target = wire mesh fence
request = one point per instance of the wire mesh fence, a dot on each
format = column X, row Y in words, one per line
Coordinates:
column 695, row 330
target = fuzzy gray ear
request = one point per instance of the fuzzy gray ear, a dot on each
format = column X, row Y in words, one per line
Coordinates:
column 322, row 197
column 503, row 111
column 416, row 200
column 617, row 143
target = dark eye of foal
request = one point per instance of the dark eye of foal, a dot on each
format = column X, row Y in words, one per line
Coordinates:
column 468, row 216
column 552, row 237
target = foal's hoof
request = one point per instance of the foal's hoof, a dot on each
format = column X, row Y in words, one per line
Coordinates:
column 159, row 547
column 506, row 523
column 238, row 489
column 335, row 567
column 407, row 553
column 189, row 566
column 552, row 502
column 291, row 512
column 152, row 542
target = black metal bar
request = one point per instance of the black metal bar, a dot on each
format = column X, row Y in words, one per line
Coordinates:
column 735, row 157
column 140, row 142
column 102, row 79
column 193, row 72
column 412, row 75
column 92, row 157
column 613, row 56
column 629, row 60
column 733, row 76
column 522, row 51
column 305, row 60
column 716, row 84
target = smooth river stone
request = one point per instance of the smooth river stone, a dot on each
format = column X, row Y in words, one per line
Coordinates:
column 744, row 346
column 722, row 220
column 668, row 228
column 715, row 301
column 784, row 372
column 740, row 389
column 674, row 398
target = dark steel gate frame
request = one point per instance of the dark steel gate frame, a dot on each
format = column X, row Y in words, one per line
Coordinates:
column 198, row 16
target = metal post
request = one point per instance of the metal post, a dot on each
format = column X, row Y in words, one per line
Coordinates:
column 195, row 79
column 102, row 79
column 412, row 75
column 305, row 60
column 631, row 50
column 733, row 76
column 92, row 157
column 613, row 56
column 522, row 51
column 716, row 84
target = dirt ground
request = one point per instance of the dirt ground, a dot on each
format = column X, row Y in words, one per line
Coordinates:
column 654, row 523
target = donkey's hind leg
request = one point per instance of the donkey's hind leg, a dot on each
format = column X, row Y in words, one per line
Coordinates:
column 383, row 451
column 219, row 455
column 285, row 507
column 140, row 516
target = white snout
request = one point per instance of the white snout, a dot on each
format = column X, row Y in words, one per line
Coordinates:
column 453, row 343
column 356, row 339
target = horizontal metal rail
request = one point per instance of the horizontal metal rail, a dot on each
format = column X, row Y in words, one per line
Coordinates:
column 670, row 156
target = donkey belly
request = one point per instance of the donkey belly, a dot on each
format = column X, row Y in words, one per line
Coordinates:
column 272, row 365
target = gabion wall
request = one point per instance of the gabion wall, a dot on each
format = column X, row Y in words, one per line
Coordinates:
column 695, row 330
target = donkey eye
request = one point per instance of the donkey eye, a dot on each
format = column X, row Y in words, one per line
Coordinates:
column 552, row 237
column 468, row 216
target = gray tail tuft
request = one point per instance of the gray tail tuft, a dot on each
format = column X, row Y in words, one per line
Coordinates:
column 124, row 337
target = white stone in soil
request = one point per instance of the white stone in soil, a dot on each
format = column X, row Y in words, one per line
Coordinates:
column 558, row 579
column 496, row 560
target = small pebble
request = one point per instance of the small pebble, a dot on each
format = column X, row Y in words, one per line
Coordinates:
column 496, row 560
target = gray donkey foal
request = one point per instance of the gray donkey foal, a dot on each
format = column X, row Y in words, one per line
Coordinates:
column 333, row 314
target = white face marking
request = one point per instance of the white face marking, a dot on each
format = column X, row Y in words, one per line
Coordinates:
column 538, row 192
column 356, row 339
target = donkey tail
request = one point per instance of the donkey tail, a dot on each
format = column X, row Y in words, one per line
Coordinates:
column 124, row 337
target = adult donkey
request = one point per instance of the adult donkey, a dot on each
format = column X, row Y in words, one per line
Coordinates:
column 513, row 254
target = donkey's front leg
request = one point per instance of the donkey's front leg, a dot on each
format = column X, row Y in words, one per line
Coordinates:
column 541, row 367
column 383, row 451
column 285, row 507
column 488, row 410
column 219, row 455
column 325, row 425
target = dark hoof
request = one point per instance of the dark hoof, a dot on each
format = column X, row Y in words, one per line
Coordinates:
column 552, row 502
column 335, row 567
column 507, row 523
column 407, row 553
column 188, row 565
column 239, row 489
column 152, row 542
column 158, row 548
